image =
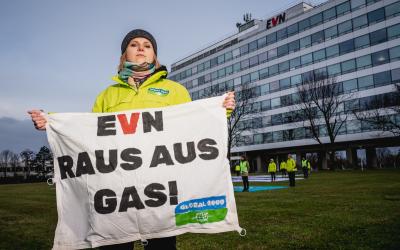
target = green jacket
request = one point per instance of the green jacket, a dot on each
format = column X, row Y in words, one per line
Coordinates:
column 155, row 92
column 291, row 165
column 271, row 167
column 283, row 165
column 244, row 166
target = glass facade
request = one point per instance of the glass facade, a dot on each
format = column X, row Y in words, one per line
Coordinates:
column 360, row 51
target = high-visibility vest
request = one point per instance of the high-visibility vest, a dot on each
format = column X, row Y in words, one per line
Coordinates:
column 272, row 167
column 283, row 165
column 304, row 163
column 291, row 165
column 237, row 168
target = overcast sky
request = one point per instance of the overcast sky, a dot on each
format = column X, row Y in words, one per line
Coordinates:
column 58, row 55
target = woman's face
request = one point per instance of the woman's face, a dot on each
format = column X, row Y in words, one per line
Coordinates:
column 140, row 50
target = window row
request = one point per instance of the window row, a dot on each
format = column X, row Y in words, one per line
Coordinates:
column 359, row 63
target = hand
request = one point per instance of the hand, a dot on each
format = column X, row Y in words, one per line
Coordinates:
column 229, row 102
column 38, row 118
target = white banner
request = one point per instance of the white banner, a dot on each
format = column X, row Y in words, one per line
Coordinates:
column 141, row 174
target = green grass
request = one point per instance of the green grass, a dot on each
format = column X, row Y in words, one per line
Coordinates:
column 331, row 210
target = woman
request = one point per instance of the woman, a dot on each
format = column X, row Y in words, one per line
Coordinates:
column 272, row 169
column 141, row 83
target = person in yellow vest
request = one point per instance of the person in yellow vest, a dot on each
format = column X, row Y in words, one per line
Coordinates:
column 272, row 169
column 244, row 172
column 309, row 167
column 304, row 165
column 237, row 169
column 283, row 168
column 291, row 169
column 141, row 83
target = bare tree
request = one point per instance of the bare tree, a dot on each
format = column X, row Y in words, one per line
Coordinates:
column 14, row 162
column 27, row 156
column 5, row 160
column 320, row 106
column 381, row 112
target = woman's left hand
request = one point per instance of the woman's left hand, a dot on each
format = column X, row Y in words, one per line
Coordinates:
column 229, row 102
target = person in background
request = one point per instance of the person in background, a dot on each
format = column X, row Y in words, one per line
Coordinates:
column 244, row 172
column 282, row 167
column 141, row 82
column 237, row 168
column 291, row 169
column 272, row 169
column 304, row 166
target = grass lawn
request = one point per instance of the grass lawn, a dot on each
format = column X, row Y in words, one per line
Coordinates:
column 331, row 210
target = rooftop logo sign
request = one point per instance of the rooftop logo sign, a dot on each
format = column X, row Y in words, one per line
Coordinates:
column 272, row 22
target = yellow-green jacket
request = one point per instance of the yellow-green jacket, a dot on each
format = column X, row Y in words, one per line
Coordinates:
column 244, row 167
column 155, row 92
column 291, row 165
column 271, row 167
column 283, row 165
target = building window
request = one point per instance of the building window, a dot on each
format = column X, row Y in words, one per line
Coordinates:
column 264, row 73
column 295, row 63
column 361, row 41
column 396, row 75
column 277, row 136
column 246, row 79
column 331, row 32
column 345, row 27
column 261, row 42
column 365, row 82
column 380, row 57
column 306, row 59
column 332, row 51
column 221, row 73
column 273, row 70
column 295, row 80
column 276, row 119
column 316, row 19
column 258, row 138
column 275, row 102
column 213, row 62
column 350, row 86
column 346, row 47
column 393, row 9
column 394, row 53
column 294, row 46
column 253, row 46
column 266, row 121
column 221, row 59
column 283, row 50
column 281, row 34
column 293, row 29
column 254, row 76
column 263, row 57
column 244, row 64
column 267, row 137
column 274, row 86
column 271, row 38
column 284, row 83
column 244, row 49
column 266, row 105
column 236, row 53
column 284, row 66
column 305, row 42
column 348, row 66
column 343, row 8
column 382, row 78
column 253, row 61
column 317, row 37
column 360, row 22
column 272, row 54
column 319, row 55
column 304, row 24
column 264, row 89
column 393, row 32
column 355, row 4
column 353, row 126
column 329, row 14
column 229, row 70
column 363, row 62
column 378, row 36
column 236, row 67
column 376, row 16
column 334, row 69
column 228, row 56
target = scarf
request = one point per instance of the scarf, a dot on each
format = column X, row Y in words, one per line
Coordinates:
column 138, row 72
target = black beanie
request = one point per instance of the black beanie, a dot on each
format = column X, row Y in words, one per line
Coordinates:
column 138, row 33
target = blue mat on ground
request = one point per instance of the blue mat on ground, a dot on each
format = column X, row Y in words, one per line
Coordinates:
column 258, row 188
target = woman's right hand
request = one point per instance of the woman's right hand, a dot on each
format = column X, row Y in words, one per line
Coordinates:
column 38, row 118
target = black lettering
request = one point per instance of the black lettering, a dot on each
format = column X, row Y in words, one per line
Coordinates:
column 129, row 156
column 173, row 192
column 100, row 162
column 191, row 155
column 150, row 121
column 105, row 201
column 210, row 153
column 282, row 17
column 105, row 122
column 66, row 163
column 152, row 191
column 160, row 156
column 127, row 203
column 84, row 165
column 268, row 23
